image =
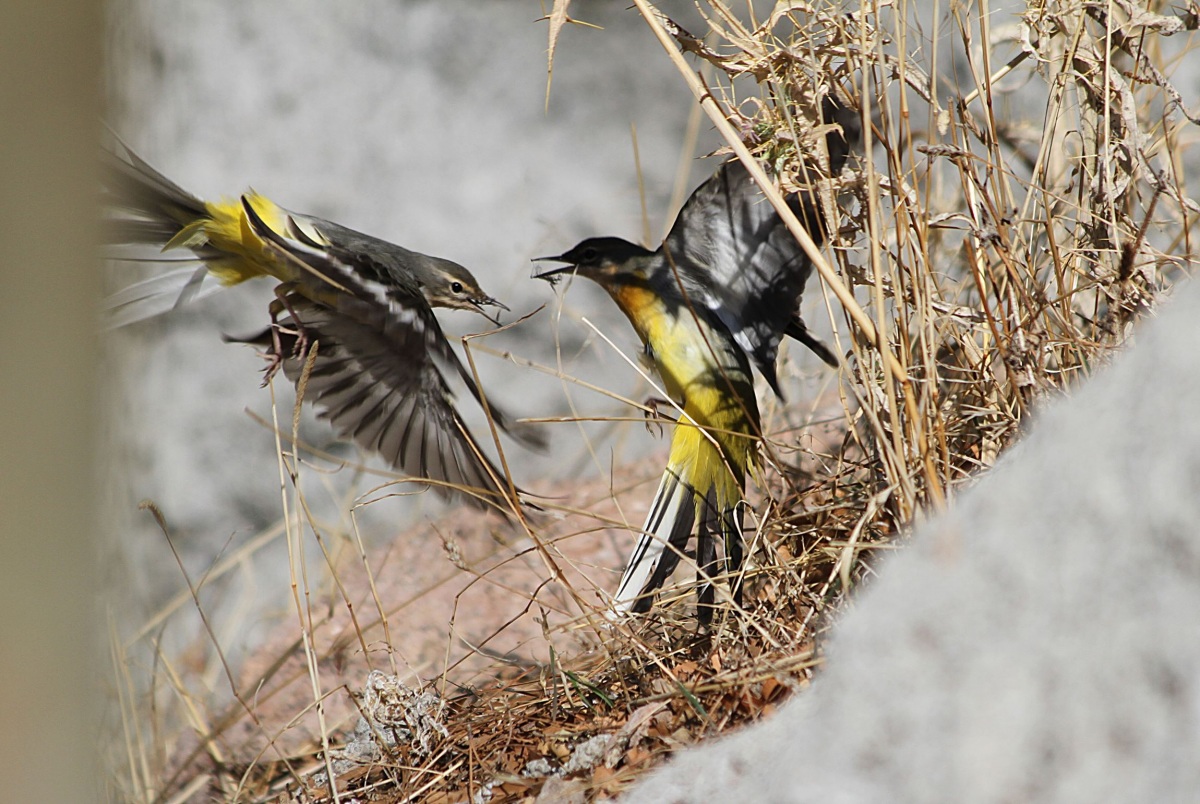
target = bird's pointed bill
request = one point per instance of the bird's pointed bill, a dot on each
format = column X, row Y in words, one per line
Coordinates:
column 553, row 274
column 488, row 301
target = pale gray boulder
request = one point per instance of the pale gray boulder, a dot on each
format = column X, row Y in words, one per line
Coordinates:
column 1038, row 642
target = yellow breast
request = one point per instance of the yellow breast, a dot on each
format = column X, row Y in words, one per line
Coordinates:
column 673, row 336
column 699, row 367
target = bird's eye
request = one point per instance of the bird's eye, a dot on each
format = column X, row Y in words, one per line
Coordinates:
column 589, row 254
column 456, row 287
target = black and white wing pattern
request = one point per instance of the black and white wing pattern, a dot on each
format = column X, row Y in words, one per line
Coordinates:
column 747, row 268
column 377, row 379
column 742, row 262
column 365, row 278
column 367, row 258
column 382, row 368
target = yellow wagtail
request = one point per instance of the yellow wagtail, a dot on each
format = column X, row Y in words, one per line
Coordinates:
column 381, row 360
column 721, row 291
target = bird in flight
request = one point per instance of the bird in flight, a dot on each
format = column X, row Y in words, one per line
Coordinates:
column 358, row 308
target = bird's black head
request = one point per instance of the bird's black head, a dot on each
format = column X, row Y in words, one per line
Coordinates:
column 596, row 258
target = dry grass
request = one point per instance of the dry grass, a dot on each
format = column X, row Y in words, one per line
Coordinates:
column 1023, row 205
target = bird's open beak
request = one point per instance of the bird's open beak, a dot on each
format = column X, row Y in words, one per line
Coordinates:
column 488, row 301
column 551, row 275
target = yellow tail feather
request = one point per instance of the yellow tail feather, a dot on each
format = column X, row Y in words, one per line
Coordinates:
column 703, row 482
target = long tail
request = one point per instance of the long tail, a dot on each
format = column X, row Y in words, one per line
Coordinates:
column 148, row 208
column 697, row 485
column 799, row 331
column 145, row 208
column 664, row 537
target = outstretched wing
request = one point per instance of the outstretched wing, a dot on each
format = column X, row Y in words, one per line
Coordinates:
column 746, row 267
column 382, row 368
column 742, row 262
column 341, row 278
column 376, row 379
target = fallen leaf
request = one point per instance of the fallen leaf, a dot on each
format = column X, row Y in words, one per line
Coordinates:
column 684, row 669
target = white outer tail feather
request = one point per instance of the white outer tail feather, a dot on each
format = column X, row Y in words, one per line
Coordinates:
column 159, row 294
column 664, row 536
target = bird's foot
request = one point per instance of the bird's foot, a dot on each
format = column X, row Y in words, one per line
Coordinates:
column 654, row 416
column 276, row 356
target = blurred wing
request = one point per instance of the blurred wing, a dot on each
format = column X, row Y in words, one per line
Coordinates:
column 376, row 380
column 741, row 261
column 351, row 272
column 144, row 208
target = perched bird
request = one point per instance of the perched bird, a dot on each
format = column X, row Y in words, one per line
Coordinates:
column 360, row 307
column 721, row 292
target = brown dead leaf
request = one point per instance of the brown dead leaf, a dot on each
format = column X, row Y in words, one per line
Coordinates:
column 640, row 720
column 562, row 791
column 601, row 775
column 512, row 787
column 685, row 669
column 636, row 756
